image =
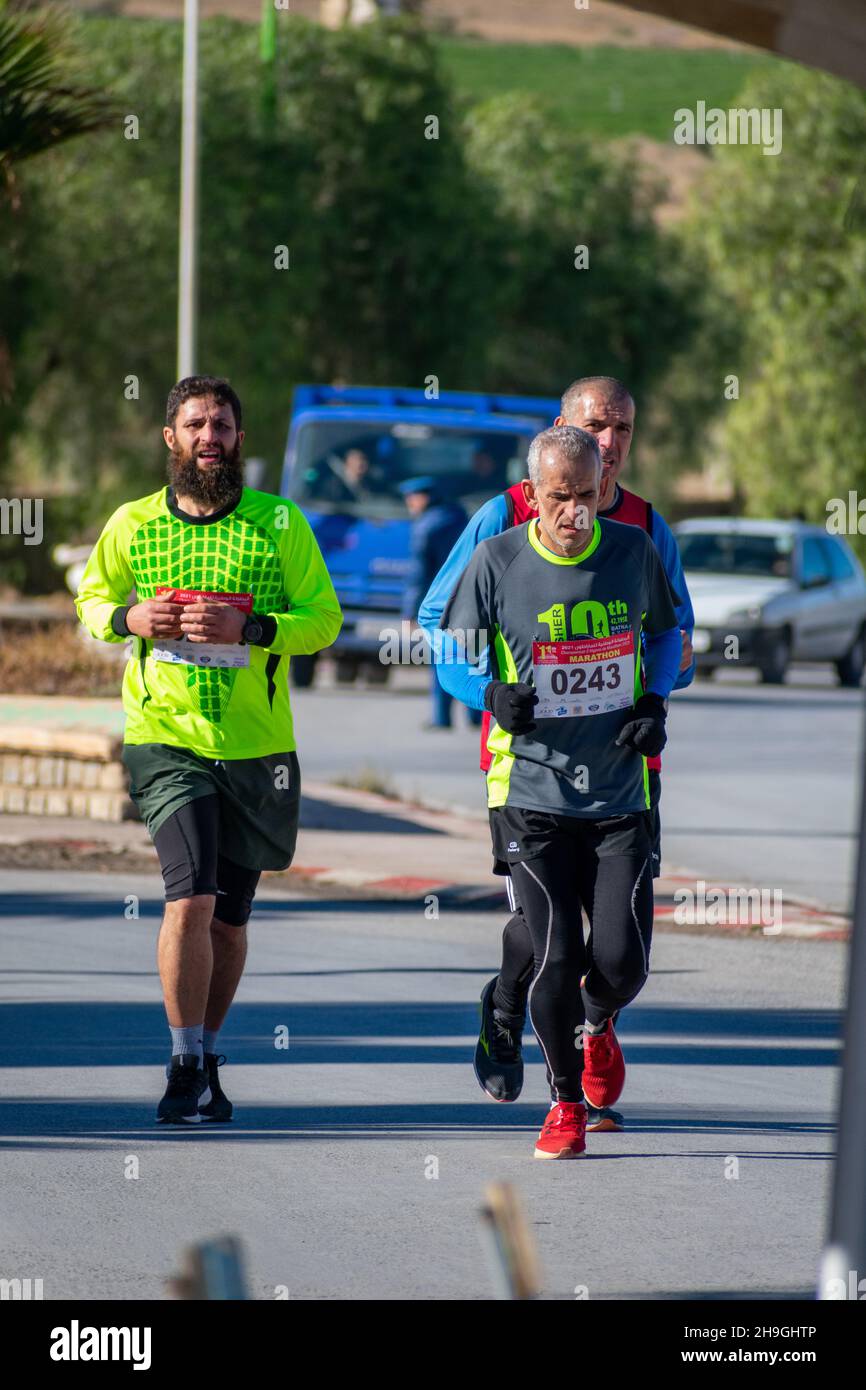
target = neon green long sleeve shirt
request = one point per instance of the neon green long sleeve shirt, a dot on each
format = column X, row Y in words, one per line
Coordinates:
column 262, row 547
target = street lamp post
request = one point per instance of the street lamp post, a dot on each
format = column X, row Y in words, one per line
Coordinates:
column 187, row 289
column 843, row 1269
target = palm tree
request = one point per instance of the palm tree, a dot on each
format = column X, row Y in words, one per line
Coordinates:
column 39, row 107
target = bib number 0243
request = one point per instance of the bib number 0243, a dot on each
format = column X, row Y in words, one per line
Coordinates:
column 601, row 678
column 586, row 677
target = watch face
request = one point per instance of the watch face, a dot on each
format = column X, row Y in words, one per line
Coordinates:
column 252, row 630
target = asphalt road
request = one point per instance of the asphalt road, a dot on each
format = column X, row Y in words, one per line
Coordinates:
column 761, row 783
column 731, row 1050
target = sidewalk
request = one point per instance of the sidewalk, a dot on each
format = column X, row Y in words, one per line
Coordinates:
column 358, row 844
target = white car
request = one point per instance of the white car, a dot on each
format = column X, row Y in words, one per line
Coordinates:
column 785, row 590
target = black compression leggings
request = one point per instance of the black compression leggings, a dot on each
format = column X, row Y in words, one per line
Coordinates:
column 617, row 893
column 518, row 963
column 188, row 847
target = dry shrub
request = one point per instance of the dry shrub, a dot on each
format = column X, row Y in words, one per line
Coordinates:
column 53, row 660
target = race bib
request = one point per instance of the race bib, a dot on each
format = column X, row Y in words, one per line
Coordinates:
column 592, row 676
column 182, row 652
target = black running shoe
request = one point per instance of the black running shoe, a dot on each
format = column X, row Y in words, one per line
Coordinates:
column 219, row 1107
column 603, row 1120
column 187, row 1085
column 498, row 1059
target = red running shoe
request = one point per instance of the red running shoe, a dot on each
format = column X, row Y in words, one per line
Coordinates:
column 603, row 1067
column 563, row 1134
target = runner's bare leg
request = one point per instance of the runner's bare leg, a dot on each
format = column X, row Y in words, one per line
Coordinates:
column 229, row 954
column 185, row 958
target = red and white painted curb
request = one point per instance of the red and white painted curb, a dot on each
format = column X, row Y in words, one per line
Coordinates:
column 799, row 918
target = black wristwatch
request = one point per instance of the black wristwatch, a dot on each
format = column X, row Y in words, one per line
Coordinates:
column 253, row 631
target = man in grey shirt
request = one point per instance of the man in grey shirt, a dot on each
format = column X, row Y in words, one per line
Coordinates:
column 562, row 602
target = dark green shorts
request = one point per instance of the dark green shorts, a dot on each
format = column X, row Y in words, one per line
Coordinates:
column 259, row 798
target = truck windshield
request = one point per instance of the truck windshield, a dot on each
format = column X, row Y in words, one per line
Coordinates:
column 725, row 552
column 356, row 467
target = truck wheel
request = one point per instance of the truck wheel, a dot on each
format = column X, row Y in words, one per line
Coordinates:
column 345, row 670
column 774, row 661
column 302, row 670
column 850, row 668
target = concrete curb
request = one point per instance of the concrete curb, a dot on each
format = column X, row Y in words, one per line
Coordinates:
column 801, row 918
column 352, row 835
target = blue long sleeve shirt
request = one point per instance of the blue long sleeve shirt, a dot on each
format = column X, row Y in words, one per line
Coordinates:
column 468, row 682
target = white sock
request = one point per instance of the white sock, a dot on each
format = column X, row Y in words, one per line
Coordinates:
column 187, row 1041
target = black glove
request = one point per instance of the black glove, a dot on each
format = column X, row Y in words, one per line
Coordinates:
column 511, row 706
column 645, row 731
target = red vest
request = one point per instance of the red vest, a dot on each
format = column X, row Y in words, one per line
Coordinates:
column 630, row 509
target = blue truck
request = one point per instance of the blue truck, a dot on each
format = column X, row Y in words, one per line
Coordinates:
column 348, row 450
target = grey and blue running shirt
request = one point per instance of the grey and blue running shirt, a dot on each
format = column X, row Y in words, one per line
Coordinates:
column 570, row 627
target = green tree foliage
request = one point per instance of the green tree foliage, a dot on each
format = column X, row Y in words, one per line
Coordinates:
column 783, row 241
column 43, row 104
column 554, row 321
column 380, row 225
column 422, row 239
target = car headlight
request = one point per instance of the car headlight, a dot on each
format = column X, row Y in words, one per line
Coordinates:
column 746, row 615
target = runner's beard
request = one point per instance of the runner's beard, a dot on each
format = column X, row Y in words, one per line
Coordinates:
column 216, row 485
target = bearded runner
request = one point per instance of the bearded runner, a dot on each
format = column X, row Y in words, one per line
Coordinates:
column 564, row 603
column 229, row 585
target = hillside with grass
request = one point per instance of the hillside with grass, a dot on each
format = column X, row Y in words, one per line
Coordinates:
column 513, row 21
column 607, row 70
column 603, row 90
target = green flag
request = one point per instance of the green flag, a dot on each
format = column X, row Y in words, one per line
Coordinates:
column 268, row 54
column 268, row 39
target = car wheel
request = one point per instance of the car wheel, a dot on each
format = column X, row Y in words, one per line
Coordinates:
column 850, row 668
column 345, row 671
column 774, row 661
column 302, row 670
column 376, row 672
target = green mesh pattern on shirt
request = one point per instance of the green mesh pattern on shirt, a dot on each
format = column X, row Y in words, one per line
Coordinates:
column 232, row 556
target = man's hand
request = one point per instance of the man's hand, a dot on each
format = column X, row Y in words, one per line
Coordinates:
column 209, row 621
column 688, row 655
column 645, row 731
column 155, row 617
column 511, row 705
